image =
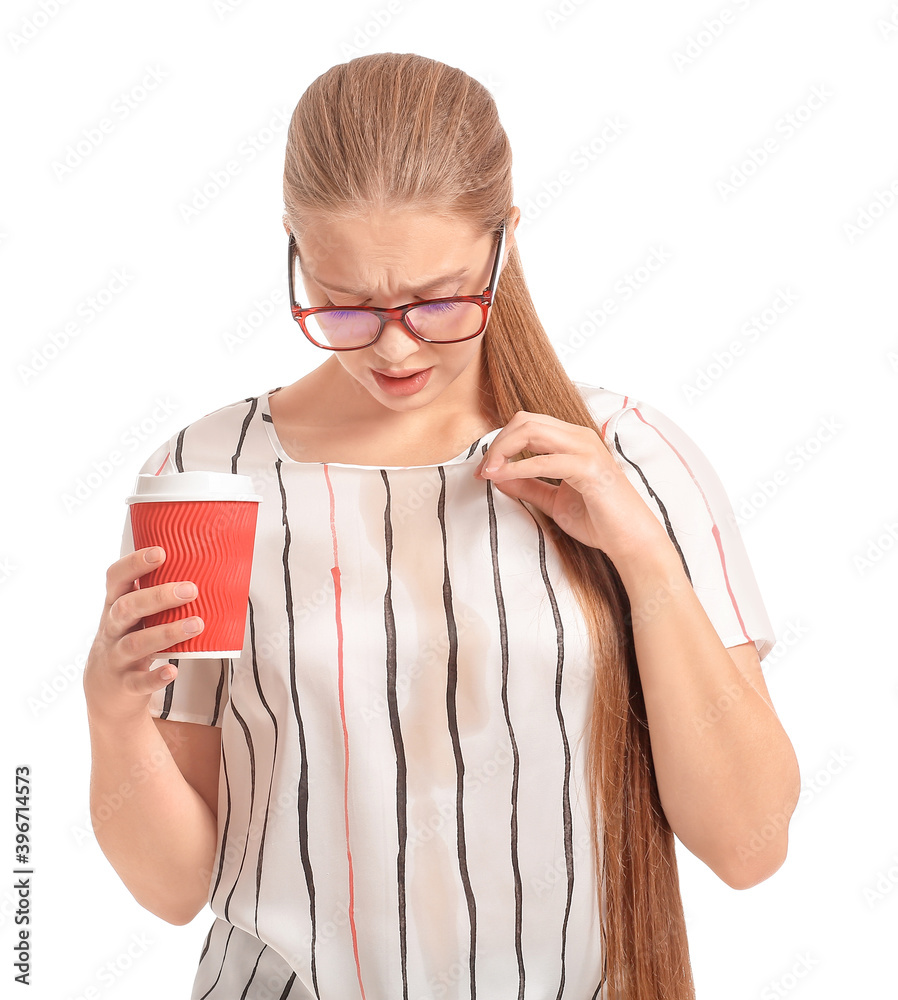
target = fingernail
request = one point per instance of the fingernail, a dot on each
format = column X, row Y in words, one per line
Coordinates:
column 155, row 555
column 185, row 590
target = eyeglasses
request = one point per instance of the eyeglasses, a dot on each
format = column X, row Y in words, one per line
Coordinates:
column 435, row 321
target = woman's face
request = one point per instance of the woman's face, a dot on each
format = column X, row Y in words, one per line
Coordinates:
column 390, row 259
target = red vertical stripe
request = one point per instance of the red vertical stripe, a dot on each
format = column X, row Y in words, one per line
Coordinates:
column 613, row 415
column 161, row 467
column 715, row 531
column 335, row 572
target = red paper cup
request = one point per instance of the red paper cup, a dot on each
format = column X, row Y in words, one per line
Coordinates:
column 206, row 522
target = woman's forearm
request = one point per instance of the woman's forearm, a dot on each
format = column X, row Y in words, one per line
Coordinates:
column 155, row 828
column 725, row 768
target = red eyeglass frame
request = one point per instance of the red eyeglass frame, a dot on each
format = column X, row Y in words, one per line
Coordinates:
column 484, row 300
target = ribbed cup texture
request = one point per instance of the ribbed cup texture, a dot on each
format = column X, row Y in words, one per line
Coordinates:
column 209, row 542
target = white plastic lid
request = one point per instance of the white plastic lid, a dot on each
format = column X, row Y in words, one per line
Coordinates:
column 193, row 486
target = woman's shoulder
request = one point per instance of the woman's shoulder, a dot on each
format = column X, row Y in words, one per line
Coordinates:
column 607, row 405
column 232, row 414
column 635, row 422
column 210, row 440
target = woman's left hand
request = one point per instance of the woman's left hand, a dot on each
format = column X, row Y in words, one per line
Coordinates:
column 594, row 503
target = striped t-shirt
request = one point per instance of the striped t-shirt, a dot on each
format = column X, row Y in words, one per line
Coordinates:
column 402, row 810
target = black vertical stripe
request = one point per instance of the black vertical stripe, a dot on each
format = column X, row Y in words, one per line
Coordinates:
column 398, row 745
column 254, row 402
column 288, row 987
column 169, row 695
column 670, row 532
column 224, row 833
column 274, row 753
column 206, row 945
column 252, row 975
column 566, row 793
column 179, row 450
column 218, row 692
column 302, row 795
column 451, row 685
column 252, row 802
column 503, row 640
column 224, row 956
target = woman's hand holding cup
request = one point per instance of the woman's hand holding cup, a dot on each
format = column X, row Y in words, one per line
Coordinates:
column 118, row 681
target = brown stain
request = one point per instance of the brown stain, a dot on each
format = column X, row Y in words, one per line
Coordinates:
column 417, row 573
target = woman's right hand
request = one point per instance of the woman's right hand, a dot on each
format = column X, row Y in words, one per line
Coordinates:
column 118, row 681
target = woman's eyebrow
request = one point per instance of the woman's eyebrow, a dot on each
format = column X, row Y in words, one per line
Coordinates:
column 424, row 286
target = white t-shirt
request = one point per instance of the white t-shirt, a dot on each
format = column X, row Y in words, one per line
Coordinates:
column 402, row 810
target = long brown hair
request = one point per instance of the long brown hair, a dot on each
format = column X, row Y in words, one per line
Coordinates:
column 396, row 130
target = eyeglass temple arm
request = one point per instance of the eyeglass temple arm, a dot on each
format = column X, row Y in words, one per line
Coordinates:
column 291, row 244
column 498, row 263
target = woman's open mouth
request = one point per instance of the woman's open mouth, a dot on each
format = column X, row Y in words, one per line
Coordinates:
column 402, row 385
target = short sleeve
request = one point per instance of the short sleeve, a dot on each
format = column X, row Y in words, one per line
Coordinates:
column 680, row 486
column 200, row 691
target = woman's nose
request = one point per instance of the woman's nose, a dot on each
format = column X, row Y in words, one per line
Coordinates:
column 396, row 343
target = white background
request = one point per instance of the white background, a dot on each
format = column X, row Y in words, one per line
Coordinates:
column 692, row 101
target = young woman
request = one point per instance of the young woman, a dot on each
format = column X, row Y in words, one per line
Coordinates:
column 502, row 638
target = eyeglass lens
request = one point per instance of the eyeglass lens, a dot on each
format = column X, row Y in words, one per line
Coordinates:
column 435, row 321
